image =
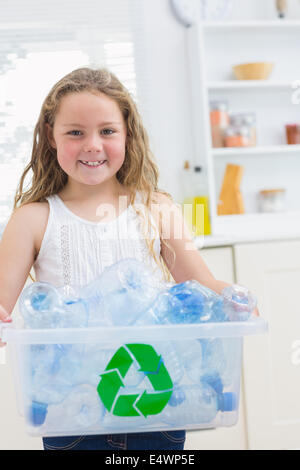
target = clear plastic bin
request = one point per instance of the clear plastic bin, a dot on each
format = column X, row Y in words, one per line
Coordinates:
column 128, row 379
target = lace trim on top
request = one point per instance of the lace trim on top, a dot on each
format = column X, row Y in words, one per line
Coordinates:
column 65, row 254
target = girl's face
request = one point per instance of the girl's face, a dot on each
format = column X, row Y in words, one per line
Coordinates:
column 89, row 134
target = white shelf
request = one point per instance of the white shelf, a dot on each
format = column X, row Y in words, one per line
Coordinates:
column 279, row 25
column 213, row 48
column 250, row 84
column 264, row 150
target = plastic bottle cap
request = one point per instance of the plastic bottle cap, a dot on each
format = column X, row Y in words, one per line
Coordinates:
column 38, row 413
column 227, row 401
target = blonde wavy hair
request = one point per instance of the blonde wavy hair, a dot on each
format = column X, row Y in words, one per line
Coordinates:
column 139, row 171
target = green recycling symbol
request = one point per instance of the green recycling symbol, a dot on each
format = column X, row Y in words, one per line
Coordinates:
column 136, row 404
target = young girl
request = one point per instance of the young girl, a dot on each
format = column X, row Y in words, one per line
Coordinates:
column 91, row 152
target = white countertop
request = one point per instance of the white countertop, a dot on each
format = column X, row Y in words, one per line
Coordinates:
column 252, row 228
column 226, row 240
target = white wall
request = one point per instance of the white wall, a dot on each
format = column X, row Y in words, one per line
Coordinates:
column 166, row 94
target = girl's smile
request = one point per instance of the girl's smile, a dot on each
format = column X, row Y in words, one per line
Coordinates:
column 93, row 164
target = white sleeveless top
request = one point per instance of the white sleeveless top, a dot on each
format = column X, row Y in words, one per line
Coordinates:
column 74, row 251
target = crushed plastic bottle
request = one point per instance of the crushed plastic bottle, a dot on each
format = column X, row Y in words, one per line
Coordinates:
column 83, row 407
column 197, row 404
column 213, row 364
column 43, row 306
column 188, row 302
column 238, row 302
column 125, row 289
column 171, row 356
column 191, row 357
column 53, row 373
column 117, row 297
column 47, row 385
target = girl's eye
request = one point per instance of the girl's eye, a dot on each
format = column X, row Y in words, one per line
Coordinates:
column 74, row 133
column 107, row 131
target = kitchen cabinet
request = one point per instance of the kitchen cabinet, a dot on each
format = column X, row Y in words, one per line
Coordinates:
column 212, row 49
column 272, row 361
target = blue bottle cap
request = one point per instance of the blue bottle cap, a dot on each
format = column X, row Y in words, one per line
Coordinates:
column 38, row 412
column 227, row 401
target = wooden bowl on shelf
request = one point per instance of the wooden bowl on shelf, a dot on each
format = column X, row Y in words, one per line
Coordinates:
column 253, row 71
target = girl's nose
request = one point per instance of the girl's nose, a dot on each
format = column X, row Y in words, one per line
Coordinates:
column 94, row 144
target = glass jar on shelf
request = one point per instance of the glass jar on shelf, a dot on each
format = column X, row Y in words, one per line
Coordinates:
column 272, row 200
column 237, row 136
column 249, row 120
column 245, row 120
column 219, row 121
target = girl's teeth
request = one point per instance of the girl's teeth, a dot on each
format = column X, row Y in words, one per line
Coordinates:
column 93, row 163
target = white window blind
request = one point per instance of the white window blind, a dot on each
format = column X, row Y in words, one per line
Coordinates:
column 42, row 40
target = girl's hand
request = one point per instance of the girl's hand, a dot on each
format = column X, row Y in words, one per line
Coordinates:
column 5, row 318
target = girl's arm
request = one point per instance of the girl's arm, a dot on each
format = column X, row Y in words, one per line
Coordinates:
column 188, row 263
column 17, row 252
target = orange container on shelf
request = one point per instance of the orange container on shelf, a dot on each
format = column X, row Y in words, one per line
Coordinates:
column 219, row 121
column 237, row 137
column 292, row 134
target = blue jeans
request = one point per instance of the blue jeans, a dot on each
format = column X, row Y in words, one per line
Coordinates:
column 165, row 440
